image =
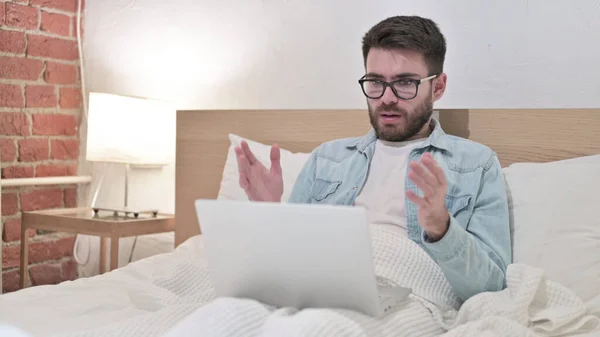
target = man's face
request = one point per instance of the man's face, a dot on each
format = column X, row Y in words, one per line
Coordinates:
column 395, row 119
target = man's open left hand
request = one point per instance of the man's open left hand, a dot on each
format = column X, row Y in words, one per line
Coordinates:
column 430, row 178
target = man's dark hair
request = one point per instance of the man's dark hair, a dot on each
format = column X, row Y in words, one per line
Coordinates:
column 408, row 32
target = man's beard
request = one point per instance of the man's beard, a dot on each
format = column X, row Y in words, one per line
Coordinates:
column 413, row 122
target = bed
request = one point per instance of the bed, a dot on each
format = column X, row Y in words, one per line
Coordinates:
column 551, row 161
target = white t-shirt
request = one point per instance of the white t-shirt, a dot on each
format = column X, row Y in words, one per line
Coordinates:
column 383, row 194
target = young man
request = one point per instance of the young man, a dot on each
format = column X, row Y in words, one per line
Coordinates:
column 445, row 193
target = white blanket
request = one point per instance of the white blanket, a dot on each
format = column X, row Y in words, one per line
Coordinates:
column 179, row 301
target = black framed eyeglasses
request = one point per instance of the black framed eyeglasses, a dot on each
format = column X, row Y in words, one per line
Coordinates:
column 405, row 88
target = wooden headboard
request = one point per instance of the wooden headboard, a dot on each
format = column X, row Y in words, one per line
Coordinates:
column 516, row 135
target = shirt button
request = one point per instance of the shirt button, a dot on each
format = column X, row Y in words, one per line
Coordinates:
column 355, row 187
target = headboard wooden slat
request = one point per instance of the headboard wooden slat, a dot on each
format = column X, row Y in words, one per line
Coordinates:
column 516, row 135
column 540, row 135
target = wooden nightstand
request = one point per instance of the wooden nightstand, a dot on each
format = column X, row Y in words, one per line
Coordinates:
column 85, row 221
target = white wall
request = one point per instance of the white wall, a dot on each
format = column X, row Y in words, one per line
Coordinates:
column 206, row 54
column 306, row 54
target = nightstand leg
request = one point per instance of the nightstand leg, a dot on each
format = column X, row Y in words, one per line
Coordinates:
column 24, row 257
column 102, row 255
column 114, row 253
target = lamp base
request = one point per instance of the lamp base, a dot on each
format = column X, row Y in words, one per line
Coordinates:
column 124, row 213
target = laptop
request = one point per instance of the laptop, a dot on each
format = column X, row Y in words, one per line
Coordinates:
column 294, row 255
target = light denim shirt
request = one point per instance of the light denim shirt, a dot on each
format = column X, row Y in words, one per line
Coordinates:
column 476, row 249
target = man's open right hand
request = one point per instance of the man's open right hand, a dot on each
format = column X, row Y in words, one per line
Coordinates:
column 260, row 183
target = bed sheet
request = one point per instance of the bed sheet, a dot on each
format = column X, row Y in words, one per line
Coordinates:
column 172, row 295
column 89, row 303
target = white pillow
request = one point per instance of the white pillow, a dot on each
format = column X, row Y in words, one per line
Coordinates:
column 291, row 165
column 555, row 222
column 593, row 159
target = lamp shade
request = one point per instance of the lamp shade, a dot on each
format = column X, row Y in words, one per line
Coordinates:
column 130, row 130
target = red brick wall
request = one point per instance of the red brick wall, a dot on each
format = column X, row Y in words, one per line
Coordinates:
column 40, row 106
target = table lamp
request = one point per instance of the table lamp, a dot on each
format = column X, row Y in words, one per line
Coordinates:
column 136, row 132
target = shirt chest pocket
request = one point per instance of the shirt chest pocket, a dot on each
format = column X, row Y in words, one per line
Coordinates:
column 460, row 207
column 324, row 190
